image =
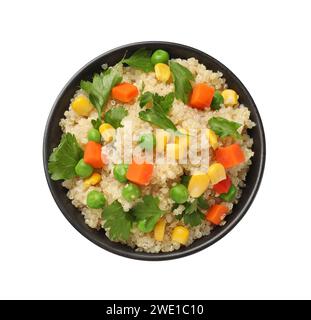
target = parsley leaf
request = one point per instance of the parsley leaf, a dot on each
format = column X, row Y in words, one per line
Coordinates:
column 140, row 59
column 147, row 213
column 165, row 102
column 181, row 77
column 114, row 116
column 161, row 104
column 202, row 202
column 118, row 221
column 142, row 87
column 145, row 98
column 157, row 118
column 148, row 208
column 191, row 214
column 64, row 158
column 191, row 207
column 95, row 91
column 185, row 180
column 147, row 225
column 224, row 127
column 96, row 123
column 194, row 219
column 99, row 89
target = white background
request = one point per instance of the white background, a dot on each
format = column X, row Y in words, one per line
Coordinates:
column 43, row 43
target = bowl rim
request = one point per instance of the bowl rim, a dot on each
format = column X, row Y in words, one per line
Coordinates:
column 177, row 253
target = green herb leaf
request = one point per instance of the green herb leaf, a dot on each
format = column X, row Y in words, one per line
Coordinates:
column 115, row 115
column 95, row 91
column 224, row 127
column 185, row 180
column 158, row 119
column 162, row 104
column 141, row 59
column 191, row 207
column 96, row 123
column 118, row 221
column 147, row 225
column 142, row 87
column 218, row 99
column 194, row 219
column 202, row 202
column 191, row 214
column 181, row 77
column 147, row 209
column 99, row 89
column 147, row 213
column 64, row 158
column 111, row 77
column 145, row 98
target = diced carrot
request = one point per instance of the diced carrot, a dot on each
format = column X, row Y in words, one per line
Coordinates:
column 92, row 154
column 230, row 156
column 124, row 92
column 140, row 173
column 223, row 186
column 202, row 96
column 216, row 213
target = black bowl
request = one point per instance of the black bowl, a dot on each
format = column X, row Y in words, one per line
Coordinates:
column 53, row 133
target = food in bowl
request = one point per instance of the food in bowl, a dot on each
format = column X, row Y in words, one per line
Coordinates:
column 155, row 151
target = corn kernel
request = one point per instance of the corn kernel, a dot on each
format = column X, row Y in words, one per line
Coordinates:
column 162, row 71
column 230, row 97
column 180, row 234
column 212, row 138
column 105, row 126
column 93, row 180
column 159, row 230
column 216, row 173
column 198, row 184
column 82, row 105
column 107, row 131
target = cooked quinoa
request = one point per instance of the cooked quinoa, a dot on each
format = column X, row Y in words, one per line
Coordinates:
column 164, row 176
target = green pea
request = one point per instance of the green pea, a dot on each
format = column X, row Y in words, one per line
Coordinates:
column 95, row 199
column 159, row 56
column 83, row 169
column 93, row 135
column 179, row 193
column 230, row 195
column 131, row 192
column 119, row 172
column 147, row 141
column 218, row 99
column 147, row 225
